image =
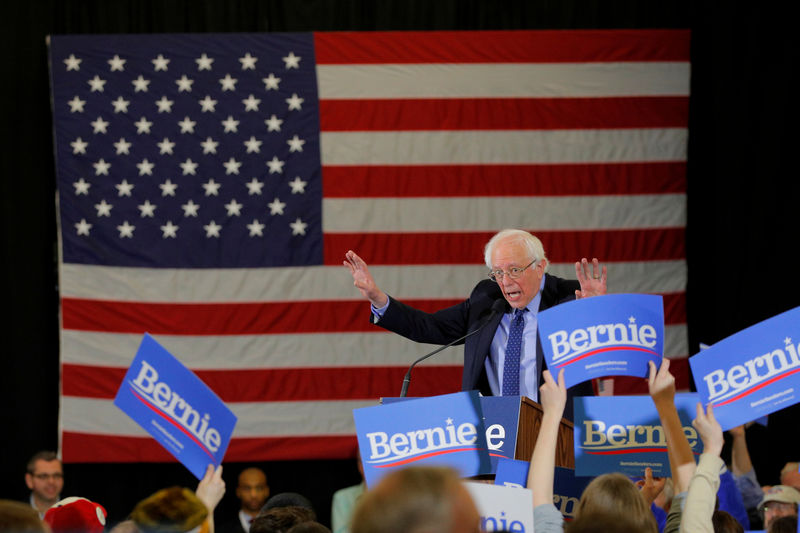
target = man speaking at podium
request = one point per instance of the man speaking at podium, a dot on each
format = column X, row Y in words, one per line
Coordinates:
column 505, row 358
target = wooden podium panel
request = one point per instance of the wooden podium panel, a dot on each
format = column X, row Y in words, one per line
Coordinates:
column 530, row 420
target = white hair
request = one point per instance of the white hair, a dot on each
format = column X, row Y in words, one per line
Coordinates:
column 532, row 244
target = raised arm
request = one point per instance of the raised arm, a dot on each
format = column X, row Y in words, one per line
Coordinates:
column 593, row 280
column 543, row 461
column 363, row 280
column 702, row 495
column 661, row 386
column 210, row 491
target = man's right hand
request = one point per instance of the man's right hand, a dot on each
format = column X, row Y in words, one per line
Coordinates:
column 363, row 280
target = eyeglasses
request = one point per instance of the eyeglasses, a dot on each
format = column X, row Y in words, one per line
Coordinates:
column 777, row 506
column 513, row 272
column 45, row 477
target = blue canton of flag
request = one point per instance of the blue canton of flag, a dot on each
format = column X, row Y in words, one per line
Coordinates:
column 205, row 156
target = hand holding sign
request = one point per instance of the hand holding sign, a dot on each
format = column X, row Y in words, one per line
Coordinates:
column 211, row 488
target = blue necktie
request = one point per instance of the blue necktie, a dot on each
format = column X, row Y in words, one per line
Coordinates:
column 513, row 352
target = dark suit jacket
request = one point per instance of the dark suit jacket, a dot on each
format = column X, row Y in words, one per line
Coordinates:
column 446, row 325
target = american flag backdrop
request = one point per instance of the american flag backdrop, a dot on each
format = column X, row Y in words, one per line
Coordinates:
column 209, row 186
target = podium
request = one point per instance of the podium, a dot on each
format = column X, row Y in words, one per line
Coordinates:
column 530, row 420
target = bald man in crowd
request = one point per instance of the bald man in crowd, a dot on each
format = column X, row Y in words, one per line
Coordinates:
column 252, row 491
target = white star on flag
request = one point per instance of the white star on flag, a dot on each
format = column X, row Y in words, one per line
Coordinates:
column 124, row 188
column 83, row 227
column 212, row 187
column 276, row 207
column 145, row 167
column 100, row 125
column 275, row 165
column 169, row 230
column 248, row 62
column 234, row 208
column 140, row 84
column 292, row 61
column 230, row 124
column 165, row 146
column 295, row 102
column 298, row 186
column 97, row 83
column 143, row 125
column 103, row 208
column 82, row 186
column 254, row 186
column 209, row 146
column 76, row 105
column 147, row 209
column 271, row 82
column 228, row 83
column 101, row 167
column 168, row 188
column 121, row 105
column 253, row 145
column 189, row 167
column 204, row 62
column 256, row 228
column 126, row 230
column 187, row 125
column 298, row 227
column 208, row 104
column 73, row 63
column 123, row 146
column 231, row 166
column 251, row 103
column 117, row 64
column 190, row 209
column 164, row 105
column 273, row 123
column 184, row 84
column 79, row 146
column 160, row 63
column 212, row 229
column 295, row 144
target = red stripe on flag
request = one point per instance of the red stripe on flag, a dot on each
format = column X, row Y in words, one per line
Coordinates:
column 249, row 318
column 385, row 181
column 282, row 384
column 93, row 448
column 503, row 114
column 626, row 385
column 501, row 46
column 243, row 318
column 466, row 248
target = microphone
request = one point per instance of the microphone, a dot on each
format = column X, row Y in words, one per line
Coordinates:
column 499, row 306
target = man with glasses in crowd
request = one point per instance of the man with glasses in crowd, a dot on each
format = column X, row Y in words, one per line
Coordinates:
column 45, row 479
column 505, row 358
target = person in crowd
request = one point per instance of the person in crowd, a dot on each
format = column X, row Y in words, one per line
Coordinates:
column 178, row 509
column 281, row 518
column 76, row 515
column 609, row 496
column 344, row 501
column 504, row 360
column 45, row 479
column 790, row 475
column 778, row 500
column 417, row 499
column 286, row 499
column 252, row 491
column 308, row 527
column 18, row 517
column 783, row 524
column 724, row 522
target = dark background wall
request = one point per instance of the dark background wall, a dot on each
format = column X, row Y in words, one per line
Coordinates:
column 743, row 190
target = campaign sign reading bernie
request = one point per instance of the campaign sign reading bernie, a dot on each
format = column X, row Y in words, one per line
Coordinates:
column 624, row 434
column 753, row 372
column 176, row 408
column 611, row 335
column 440, row 430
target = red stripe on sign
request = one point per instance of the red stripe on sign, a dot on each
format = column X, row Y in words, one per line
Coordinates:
column 281, row 384
column 501, row 46
column 223, row 318
column 660, row 244
column 385, row 181
column 504, row 114
column 93, row 448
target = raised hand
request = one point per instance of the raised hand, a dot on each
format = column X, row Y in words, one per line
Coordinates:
column 650, row 487
column 552, row 395
column 211, row 488
column 593, row 280
column 661, row 384
column 709, row 430
column 363, row 281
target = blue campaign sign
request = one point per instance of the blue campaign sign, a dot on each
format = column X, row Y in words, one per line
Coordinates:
column 567, row 490
column 440, row 430
column 624, row 434
column 172, row 404
column 611, row 335
column 512, row 473
column 752, row 373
